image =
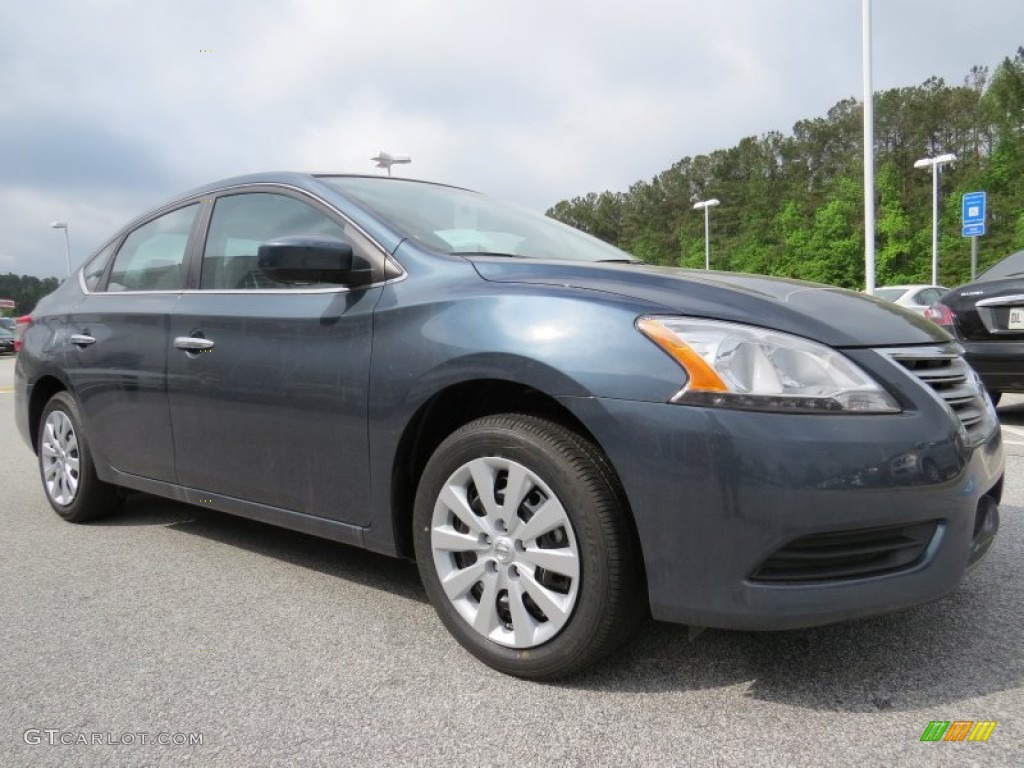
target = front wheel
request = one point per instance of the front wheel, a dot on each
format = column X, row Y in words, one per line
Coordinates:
column 523, row 543
column 65, row 465
column 996, row 397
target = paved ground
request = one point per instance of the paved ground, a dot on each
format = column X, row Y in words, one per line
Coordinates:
column 283, row 650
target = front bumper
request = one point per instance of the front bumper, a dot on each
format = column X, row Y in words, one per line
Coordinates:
column 718, row 496
column 999, row 363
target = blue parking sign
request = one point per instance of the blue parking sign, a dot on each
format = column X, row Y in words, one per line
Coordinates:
column 973, row 210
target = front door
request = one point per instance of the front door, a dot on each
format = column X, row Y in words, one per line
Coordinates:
column 268, row 381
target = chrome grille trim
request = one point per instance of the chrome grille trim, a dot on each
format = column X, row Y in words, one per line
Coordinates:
column 944, row 370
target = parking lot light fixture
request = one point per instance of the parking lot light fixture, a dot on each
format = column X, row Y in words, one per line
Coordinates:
column 935, row 163
column 386, row 160
column 707, row 205
column 67, row 241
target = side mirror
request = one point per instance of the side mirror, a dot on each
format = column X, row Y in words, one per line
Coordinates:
column 310, row 259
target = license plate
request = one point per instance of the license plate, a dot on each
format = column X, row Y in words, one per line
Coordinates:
column 1016, row 322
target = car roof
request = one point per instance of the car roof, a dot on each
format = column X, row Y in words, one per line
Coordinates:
column 380, row 230
column 295, row 178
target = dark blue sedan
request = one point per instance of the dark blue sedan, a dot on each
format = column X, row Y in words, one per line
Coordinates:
column 567, row 440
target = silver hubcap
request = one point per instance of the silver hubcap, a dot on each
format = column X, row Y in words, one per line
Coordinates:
column 60, row 459
column 505, row 552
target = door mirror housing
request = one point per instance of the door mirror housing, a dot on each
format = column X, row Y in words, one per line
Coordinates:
column 311, row 259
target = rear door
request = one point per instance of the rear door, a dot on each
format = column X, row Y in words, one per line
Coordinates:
column 117, row 356
column 267, row 380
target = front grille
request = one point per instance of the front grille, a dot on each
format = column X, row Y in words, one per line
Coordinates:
column 848, row 554
column 945, row 371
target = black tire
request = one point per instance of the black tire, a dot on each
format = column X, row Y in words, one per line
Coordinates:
column 996, row 397
column 606, row 597
column 62, row 443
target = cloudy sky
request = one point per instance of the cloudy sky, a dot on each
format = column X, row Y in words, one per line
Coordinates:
column 108, row 107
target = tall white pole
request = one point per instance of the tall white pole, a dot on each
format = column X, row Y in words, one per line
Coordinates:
column 67, row 249
column 869, row 154
column 707, row 237
column 935, row 223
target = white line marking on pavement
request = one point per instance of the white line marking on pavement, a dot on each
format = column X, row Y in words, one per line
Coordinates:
column 1015, row 431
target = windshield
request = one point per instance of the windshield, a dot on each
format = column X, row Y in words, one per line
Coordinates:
column 454, row 220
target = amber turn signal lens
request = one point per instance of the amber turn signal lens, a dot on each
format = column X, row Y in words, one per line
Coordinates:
column 702, row 376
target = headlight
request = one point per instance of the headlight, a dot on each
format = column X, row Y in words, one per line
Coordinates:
column 741, row 366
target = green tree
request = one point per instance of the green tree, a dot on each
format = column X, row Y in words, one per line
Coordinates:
column 792, row 204
column 25, row 290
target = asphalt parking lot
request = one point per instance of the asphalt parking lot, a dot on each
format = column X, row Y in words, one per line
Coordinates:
column 278, row 649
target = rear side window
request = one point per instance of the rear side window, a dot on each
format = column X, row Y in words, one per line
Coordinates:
column 94, row 270
column 929, row 296
column 241, row 223
column 152, row 257
column 889, row 294
column 1011, row 266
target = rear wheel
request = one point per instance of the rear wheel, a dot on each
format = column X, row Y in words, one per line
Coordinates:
column 65, row 465
column 523, row 544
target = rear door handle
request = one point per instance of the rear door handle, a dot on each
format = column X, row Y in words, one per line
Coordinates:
column 193, row 343
column 82, row 339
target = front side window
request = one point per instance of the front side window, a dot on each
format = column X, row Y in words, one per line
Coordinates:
column 241, row 223
column 152, row 257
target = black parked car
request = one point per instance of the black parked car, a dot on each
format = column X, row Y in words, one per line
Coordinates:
column 6, row 342
column 987, row 317
column 565, row 438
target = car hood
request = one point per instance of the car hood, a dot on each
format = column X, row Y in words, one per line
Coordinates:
column 833, row 316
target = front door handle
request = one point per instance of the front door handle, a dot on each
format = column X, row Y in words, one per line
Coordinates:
column 193, row 343
column 82, row 339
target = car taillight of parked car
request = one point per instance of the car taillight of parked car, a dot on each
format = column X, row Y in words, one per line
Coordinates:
column 19, row 329
column 940, row 313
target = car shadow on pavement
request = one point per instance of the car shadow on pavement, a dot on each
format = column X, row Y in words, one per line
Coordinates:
column 1011, row 413
column 962, row 646
column 397, row 576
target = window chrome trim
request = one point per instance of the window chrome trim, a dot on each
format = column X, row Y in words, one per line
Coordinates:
column 242, row 189
column 251, row 291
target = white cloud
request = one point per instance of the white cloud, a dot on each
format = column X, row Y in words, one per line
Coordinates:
column 533, row 101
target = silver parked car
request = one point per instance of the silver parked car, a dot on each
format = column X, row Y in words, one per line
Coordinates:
column 916, row 298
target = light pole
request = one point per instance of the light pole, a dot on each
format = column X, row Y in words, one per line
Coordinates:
column 67, row 241
column 386, row 160
column 869, row 151
column 935, row 163
column 707, row 205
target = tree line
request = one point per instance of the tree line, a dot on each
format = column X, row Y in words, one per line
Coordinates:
column 25, row 291
column 792, row 205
